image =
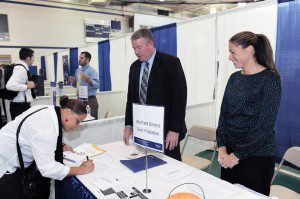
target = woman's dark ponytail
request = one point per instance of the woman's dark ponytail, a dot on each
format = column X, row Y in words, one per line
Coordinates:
column 75, row 105
column 264, row 53
column 262, row 47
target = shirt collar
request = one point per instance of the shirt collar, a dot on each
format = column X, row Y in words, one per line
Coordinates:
column 85, row 66
column 23, row 63
column 150, row 61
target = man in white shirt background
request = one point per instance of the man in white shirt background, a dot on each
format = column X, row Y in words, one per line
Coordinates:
column 19, row 82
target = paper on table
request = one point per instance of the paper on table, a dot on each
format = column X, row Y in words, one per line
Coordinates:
column 105, row 162
column 88, row 118
column 173, row 173
column 104, row 181
column 82, row 151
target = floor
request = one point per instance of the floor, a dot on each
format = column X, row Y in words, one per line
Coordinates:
column 289, row 181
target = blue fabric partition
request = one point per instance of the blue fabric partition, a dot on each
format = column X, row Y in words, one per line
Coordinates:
column 73, row 60
column 165, row 38
column 288, row 63
column 104, row 65
column 33, row 70
column 43, row 67
column 55, row 65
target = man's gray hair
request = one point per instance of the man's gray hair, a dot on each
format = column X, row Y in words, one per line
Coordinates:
column 142, row 33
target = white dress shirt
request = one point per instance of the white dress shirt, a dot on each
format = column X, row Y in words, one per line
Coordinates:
column 37, row 139
column 17, row 82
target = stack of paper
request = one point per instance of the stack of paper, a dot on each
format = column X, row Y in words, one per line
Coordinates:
column 88, row 118
column 82, row 151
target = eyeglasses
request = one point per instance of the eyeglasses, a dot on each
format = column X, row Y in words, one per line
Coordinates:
column 78, row 121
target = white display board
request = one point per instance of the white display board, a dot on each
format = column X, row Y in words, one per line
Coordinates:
column 96, row 30
column 148, row 126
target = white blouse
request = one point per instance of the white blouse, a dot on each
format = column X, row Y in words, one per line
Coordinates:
column 37, row 139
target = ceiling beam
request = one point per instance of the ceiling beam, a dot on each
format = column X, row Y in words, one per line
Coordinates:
column 186, row 8
column 183, row 2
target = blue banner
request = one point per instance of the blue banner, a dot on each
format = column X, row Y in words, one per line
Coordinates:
column 104, row 65
column 43, row 67
column 55, row 66
column 33, row 70
column 73, row 60
column 288, row 63
column 165, row 38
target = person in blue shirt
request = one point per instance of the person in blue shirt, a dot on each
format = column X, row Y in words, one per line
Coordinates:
column 87, row 78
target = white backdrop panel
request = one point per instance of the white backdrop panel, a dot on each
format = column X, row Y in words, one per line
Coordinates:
column 119, row 67
column 113, row 101
column 97, row 132
column 37, row 63
column 259, row 18
column 200, row 114
column 60, row 67
column 196, row 50
column 131, row 57
column 50, row 67
column 93, row 49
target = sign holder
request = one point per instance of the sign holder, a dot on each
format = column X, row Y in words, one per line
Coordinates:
column 148, row 131
column 146, row 190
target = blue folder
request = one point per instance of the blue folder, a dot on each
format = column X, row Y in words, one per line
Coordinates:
column 138, row 164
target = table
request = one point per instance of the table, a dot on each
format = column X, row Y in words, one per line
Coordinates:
column 88, row 185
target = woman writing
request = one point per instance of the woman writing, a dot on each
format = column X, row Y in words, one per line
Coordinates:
column 245, row 133
column 40, row 140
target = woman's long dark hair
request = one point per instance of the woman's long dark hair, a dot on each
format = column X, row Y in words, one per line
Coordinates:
column 75, row 105
column 262, row 47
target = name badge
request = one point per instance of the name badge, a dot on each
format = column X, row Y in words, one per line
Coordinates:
column 83, row 92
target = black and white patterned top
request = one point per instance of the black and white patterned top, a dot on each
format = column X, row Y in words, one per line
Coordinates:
column 248, row 114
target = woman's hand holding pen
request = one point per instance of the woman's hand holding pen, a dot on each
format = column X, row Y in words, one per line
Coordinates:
column 88, row 166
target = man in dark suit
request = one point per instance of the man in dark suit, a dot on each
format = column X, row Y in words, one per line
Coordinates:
column 157, row 79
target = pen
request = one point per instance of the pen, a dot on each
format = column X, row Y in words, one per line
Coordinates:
column 87, row 158
column 69, row 159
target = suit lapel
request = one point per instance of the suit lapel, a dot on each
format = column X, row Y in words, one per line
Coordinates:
column 154, row 71
column 137, row 79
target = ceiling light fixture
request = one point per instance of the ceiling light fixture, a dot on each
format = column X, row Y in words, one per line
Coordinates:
column 213, row 10
column 241, row 4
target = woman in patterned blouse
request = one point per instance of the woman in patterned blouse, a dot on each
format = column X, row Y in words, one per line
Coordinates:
column 245, row 134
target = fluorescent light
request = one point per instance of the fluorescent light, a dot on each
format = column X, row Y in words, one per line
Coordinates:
column 213, row 10
column 241, row 4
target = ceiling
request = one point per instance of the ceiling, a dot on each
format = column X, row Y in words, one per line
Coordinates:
column 189, row 8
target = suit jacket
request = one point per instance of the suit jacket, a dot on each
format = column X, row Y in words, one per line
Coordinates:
column 166, row 87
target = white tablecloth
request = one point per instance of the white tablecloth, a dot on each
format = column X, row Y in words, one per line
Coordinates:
column 213, row 187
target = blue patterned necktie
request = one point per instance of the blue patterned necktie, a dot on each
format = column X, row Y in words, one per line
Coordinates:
column 144, row 83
